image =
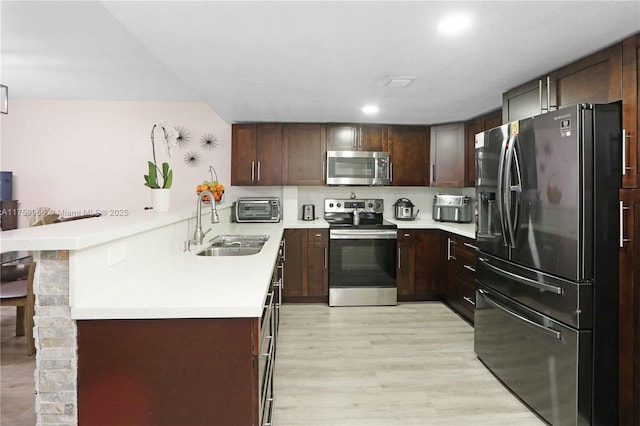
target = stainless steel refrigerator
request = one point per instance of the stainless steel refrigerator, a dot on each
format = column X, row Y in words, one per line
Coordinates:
column 546, row 320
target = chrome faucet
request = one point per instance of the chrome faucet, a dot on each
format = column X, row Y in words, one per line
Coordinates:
column 356, row 216
column 198, row 236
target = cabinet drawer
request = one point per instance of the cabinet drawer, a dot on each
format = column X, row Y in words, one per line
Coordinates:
column 465, row 299
column 317, row 235
column 405, row 235
column 465, row 270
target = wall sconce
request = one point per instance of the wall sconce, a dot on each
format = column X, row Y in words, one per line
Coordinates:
column 4, row 99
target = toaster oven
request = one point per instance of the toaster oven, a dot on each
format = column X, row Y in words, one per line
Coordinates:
column 257, row 209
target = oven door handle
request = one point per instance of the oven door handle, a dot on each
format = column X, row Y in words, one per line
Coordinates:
column 362, row 234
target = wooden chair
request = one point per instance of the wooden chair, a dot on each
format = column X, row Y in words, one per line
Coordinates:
column 19, row 293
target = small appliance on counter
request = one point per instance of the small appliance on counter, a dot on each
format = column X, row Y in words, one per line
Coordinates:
column 452, row 208
column 308, row 212
column 256, row 209
column 404, row 209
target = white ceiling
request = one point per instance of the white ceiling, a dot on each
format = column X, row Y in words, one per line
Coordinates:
column 300, row 61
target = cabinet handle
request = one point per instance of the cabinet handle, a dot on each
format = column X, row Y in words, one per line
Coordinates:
column 469, row 300
column 284, row 250
column 449, row 255
column 433, row 173
column 326, row 258
column 471, row 246
column 622, row 238
column 540, row 95
column 469, row 267
column 390, row 172
column 258, row 170
column 253, row 168
column 323, row 174
column 549, row 94
column 625, row 136
column 399, row 263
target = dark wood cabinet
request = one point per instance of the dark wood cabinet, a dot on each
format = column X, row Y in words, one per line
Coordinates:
column 594, row 79
column 306, row 265
column 8, row 214
column 304, row 152
column 460, row 265
column 447, row 159
column 473, row 127
column 629, row 309
column 631, row 111
column 357, row 137
column 419, row 265
column 256, row 154
column 409, row 150
column 318, row 263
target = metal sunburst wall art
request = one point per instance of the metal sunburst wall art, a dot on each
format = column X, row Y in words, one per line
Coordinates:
column 192, row 159
column 184, row 136
column 208, row 142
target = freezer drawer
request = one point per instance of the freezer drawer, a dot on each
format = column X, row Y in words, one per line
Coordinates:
column 566, row 301
column 545, row 363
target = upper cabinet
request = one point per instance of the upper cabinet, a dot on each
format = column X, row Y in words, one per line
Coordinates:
column 357, row 137
column 473, row 127
column 630, row 111
column 304, row 148
column 256, row 154
column 447, row 155
column 409, row 150
column 593, row 79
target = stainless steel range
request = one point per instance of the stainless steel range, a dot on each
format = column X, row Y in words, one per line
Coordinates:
column 362, row 253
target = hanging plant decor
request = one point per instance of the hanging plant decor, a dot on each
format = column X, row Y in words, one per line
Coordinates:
column 184, row 137
column 192, row 159
column 208, row 142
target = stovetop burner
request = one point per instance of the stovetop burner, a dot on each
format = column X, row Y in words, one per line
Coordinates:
column 340, row 212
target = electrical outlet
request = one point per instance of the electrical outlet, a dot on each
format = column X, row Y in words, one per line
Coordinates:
column 117, row 253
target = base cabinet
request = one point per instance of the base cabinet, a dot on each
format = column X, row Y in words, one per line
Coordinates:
column 419, row 265
column 169, row 372
column 460, row 264
column 184, row 371
column 306, row 273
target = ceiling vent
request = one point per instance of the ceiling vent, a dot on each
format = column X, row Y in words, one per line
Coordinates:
column 399, row 81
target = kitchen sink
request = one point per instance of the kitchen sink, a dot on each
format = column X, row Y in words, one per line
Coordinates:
column 239, row 241
column 234, row 245
column 228, row 251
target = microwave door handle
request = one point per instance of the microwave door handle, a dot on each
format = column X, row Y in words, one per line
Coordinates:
column 500, row 190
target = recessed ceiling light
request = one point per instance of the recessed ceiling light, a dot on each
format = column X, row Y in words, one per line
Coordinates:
column 454, row 24
column 370, row 109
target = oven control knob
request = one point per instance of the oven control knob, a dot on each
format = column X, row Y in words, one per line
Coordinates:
column 370, row 205
column 339, row 205
column 377, row 205
column 330, row 204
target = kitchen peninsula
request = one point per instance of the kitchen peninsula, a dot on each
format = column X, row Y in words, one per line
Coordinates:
column 128, row 284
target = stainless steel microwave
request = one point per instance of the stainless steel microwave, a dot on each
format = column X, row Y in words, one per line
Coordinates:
column 358, row 168
column 257, row 209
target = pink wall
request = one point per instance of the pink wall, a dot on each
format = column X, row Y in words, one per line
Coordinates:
column 86, row 155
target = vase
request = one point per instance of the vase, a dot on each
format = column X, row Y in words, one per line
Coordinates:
column 161, row 199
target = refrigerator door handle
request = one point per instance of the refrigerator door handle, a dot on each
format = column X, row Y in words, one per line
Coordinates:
column 500, row 190
column 511, row 217
column 521, row 279
column 549, row 331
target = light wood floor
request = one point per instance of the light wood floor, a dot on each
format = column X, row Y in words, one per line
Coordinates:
column 411, row 364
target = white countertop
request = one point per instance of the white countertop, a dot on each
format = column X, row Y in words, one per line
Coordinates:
column 185, row 285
